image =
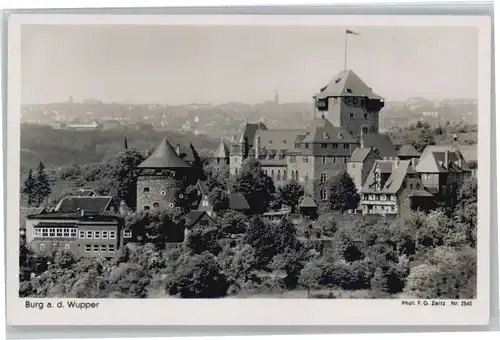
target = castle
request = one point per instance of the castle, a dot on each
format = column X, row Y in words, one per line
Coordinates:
column 345, row 117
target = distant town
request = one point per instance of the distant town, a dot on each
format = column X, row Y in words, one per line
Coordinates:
column 219, row 120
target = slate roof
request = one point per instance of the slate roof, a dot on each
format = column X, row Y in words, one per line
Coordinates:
column 346, row 83
column 469, row 152
column 398, row 169
column 164, row 157
column 193, row 217
column 360, row 154
column 89, row 204
column 186, row 153
column 238, row 202
column 279, row 139
column 433, row 160
column 222, row 150
column 408, row 150
column 382, row 144
column 321, row 130
column 85, row 192
column 250, row 130
column 25, row 212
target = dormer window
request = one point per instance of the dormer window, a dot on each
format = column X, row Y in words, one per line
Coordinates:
column 326, row 136
column 340, row 135
column 351, row 115
column 348, row 90
column 337, row 80
column 284, row 142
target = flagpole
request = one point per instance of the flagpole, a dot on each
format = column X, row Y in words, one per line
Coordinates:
column 345, row 51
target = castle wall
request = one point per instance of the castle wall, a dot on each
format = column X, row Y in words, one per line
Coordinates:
column 155, row 192
column 354, row 117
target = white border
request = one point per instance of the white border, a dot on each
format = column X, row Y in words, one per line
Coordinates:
column 249, row 311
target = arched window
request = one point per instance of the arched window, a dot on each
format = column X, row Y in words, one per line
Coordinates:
column 365, row 129
column 297, row 175
column 146, row 207
column 293, row 175
column 278, row 176
column 272, row 174
column 146, row 189
column 156, row 205
column 306, row 176
column 285, row 175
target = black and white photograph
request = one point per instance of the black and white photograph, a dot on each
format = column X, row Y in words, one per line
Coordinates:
column 328, row 161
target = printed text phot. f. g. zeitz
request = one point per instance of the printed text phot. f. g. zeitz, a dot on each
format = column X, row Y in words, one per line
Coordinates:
column 252, row 163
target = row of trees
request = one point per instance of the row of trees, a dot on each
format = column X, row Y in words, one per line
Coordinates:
column 37, row 186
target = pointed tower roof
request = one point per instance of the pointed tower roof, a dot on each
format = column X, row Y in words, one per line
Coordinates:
column 346, row 83
column 164, row 157
column 222, row 150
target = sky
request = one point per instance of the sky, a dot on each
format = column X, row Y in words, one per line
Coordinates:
column 213, row 64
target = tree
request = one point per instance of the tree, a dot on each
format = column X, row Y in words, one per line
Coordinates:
column 257, row 187
column 343, row 193
column 290, row 194
column 219, row 200
column 233, row 222
column 29, row 188
column 196, row 276
column 425, row 138
column 310, row 276
column 379, row 284
column 120, row 176
column 466, row 209
column 41, row 185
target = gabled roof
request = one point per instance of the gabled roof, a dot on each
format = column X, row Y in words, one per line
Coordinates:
column 382, row 144
column 164, row 157
column 321, row 130
column 25, row 212
column 89, row 204
column 85, row 192
column 307, row 202
column 250, row 130
column 360, row 154
column 408, row 150
column 279, row 139
column 222, row 150
column 194, row 216
column 346, row 83
column 433, row 160
column 398, row 169
column 238, row 202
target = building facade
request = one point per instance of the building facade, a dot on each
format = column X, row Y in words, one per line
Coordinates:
column 345, row 115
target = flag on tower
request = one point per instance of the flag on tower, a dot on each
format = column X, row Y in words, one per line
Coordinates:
column 351, row 32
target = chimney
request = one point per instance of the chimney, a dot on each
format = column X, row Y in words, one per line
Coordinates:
column 178, row 149
column 257, row 147
column 82, row 213
column 446, row 159
column 362, row 139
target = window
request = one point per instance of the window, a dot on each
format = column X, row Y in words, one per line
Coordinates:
column 366, row 115
column 36, row 232
column 52, row 232
column 323, row 159
column 73, row 232
column 304, row 159
column 95, row 248
column 353, row 165
column 278, row 175
column 346, row 146
column 425, row 176
column 326, row 136
column 334, row 159
column 297, row 175
column 351, row 115
column 284, row 175
column 45, row 232
column 335, row 146
column 306, row 176
column 272, row 174
column 89, row 234
column 82, row 234
column 42, row 246
column 146, row 207
column 66, row 246
column 104, row 234
column 163, row 193
column 292, row 159
column 97, row 234
column 103, row 248
column 340, row 136
column 156, row 205
column 365, row 129
column 112, row 234
column 127, row 233
column 111, row 248
column 323, row 194
column 345, row 159
column 323, row 146
column 146, row 189
column 204, row 222
column 59, row 232
column 323, row 177
column 88, row 248
column 306, row 145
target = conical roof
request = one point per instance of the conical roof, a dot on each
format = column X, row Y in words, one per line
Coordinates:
column 164, row 157
column 222, row 150
column 346, row 83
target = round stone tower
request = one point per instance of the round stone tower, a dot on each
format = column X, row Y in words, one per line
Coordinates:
column 162, row 178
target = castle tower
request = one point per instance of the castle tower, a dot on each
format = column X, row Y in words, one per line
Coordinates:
column 161, row 179
column 349, row 103
column 238, row 154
